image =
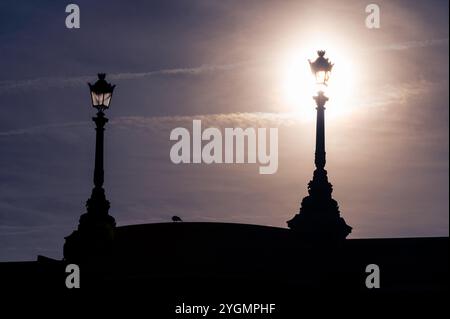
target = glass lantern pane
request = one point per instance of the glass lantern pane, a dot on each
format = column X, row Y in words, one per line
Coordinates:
column 101, row 98
column 95, row 99
column 321, row 77
column 107, row 99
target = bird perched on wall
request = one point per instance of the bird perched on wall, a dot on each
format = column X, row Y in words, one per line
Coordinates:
column 176, row 219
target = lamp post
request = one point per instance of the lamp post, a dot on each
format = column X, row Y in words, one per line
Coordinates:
column 95, row 232
column 319, row 216
column 101, row 95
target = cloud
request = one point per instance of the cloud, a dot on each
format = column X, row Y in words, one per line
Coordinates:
column 163, row 123
column 411, row 45
column 222, row 120
column 400, row 93
column 7, row 230
column 389, row 94
column 194, row 70
column 64, row 82
column 40, row 128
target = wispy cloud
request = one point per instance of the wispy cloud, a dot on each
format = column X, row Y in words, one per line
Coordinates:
column 389, row 94
column 164, row 123
column 411, row 45
column 400, row 93
column 244, row 119
column 39, row 129
column 64, row 82
column 6, row 230
column 193, row 71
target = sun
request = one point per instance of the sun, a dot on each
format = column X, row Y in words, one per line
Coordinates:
column 297, row 83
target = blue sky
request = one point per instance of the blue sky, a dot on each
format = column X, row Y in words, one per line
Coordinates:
column 219, row 61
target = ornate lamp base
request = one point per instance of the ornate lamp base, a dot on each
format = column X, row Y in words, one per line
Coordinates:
column 94, row 237
column 319, row 217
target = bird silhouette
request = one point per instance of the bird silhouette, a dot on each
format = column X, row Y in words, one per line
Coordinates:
column 176, row 219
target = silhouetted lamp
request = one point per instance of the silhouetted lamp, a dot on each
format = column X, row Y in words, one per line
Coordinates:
column 321, row 68
column 101, row 93
column 94, row 236
column 319, row 217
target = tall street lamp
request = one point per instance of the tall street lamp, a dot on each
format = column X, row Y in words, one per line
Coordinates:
column 95, row 232
column 319, row 217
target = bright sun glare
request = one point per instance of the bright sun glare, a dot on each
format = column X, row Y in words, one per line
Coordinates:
column 298, row 84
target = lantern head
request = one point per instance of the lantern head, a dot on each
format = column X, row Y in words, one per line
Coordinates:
column 101, row 93
column 321, row 68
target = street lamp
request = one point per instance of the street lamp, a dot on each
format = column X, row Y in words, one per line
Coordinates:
column 95, row 232
column 319, row 216
column 101, row 95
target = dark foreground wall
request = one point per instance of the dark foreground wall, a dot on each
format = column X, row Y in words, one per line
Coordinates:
column 174, row 263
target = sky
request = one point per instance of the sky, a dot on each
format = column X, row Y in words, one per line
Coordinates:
column 229, row 64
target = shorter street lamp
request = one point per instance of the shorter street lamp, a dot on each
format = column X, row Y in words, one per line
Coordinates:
column 95, row 232
column 101, row 93
column 319, row 217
